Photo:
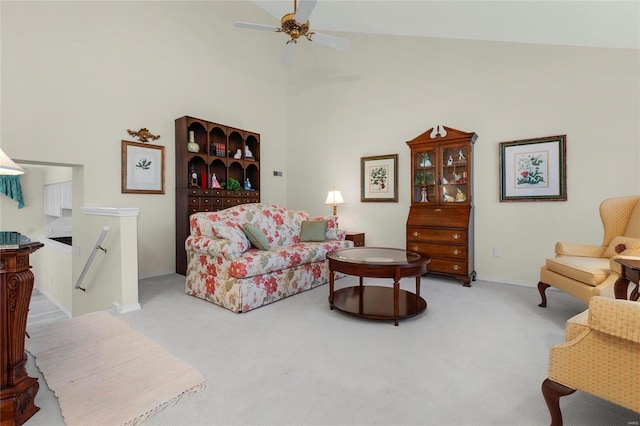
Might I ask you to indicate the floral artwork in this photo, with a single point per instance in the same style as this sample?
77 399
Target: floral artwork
531 168
378 179
143 164
142 168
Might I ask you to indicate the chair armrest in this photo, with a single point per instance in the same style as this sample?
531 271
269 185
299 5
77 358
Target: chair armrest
615 317
583 250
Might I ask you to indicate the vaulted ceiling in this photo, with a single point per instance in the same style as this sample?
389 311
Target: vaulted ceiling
611 24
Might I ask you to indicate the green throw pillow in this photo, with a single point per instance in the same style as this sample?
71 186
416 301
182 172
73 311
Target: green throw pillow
255 235
313 230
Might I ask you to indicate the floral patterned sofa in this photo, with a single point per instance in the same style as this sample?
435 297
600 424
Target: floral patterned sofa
224 268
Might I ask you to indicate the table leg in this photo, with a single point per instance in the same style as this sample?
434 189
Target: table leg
396 300
621 286
418 285
331 282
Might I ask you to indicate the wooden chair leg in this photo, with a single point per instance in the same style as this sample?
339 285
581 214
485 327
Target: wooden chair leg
552 391
541 288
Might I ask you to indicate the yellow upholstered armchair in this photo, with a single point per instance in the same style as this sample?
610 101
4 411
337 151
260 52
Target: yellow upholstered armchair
584 271
600 356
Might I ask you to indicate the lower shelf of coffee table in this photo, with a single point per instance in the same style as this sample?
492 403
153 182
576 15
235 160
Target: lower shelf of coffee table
376 302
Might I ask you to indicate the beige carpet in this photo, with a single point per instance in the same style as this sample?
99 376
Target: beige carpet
106 373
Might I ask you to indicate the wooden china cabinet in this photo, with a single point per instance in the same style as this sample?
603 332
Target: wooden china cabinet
210 159
440 222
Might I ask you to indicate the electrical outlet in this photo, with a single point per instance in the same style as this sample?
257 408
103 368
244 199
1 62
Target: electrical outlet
497 252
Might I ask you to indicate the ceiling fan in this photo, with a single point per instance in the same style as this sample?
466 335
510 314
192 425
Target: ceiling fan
296 25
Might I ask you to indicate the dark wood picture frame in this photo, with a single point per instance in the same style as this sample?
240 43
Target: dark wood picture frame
379 178
533 169
142 168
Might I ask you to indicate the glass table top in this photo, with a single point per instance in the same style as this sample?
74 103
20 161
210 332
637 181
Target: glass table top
374 255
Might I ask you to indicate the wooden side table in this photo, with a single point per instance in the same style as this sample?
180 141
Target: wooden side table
17 390
630 273
356 237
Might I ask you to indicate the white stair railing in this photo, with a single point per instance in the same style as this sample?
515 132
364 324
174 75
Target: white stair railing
101 238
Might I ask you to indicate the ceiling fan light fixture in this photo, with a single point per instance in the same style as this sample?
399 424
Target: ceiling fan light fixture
293 29
296 28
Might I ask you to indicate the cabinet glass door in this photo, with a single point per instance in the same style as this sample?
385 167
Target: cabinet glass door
424 177
455 174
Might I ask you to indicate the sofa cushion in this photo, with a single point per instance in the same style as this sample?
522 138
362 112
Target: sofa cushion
281 226
255 235
589 270
255 262
623 246
313 230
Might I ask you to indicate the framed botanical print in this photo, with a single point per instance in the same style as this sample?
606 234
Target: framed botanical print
142 168
379 178
533 169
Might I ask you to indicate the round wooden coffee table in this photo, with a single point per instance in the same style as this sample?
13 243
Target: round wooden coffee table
377 302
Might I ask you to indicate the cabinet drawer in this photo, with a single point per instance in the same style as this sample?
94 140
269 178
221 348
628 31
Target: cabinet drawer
431 235
439 216
217 192
194 202
439 250
199 192
217 202
250 194
232 201
445 266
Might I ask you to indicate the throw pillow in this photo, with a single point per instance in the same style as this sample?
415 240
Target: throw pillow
332 226
313 230
257 238
623 246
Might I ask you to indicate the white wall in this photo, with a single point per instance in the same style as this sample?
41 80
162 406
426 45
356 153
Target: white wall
386 90
76 75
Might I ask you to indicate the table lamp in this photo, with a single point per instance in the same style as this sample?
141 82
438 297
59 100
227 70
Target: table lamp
333 199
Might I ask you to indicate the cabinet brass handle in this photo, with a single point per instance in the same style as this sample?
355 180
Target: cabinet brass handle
456 251
416 248
416 233
456 268
438 210
456 236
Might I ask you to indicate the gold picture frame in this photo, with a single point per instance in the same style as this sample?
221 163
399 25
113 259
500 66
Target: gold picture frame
534 169
142 168
379 178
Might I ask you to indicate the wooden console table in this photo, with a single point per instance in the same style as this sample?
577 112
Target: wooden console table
17 390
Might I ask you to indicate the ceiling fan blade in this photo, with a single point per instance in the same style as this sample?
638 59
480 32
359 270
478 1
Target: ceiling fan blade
304 9
331 41
287 53
255 26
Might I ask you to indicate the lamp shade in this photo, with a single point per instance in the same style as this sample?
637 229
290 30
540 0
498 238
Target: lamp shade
334 198
7 166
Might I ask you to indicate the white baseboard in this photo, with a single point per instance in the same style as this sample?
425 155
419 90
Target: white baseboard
505 281
54 301
125 309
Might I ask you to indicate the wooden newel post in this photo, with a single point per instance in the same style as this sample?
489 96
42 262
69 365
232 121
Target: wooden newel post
17 390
